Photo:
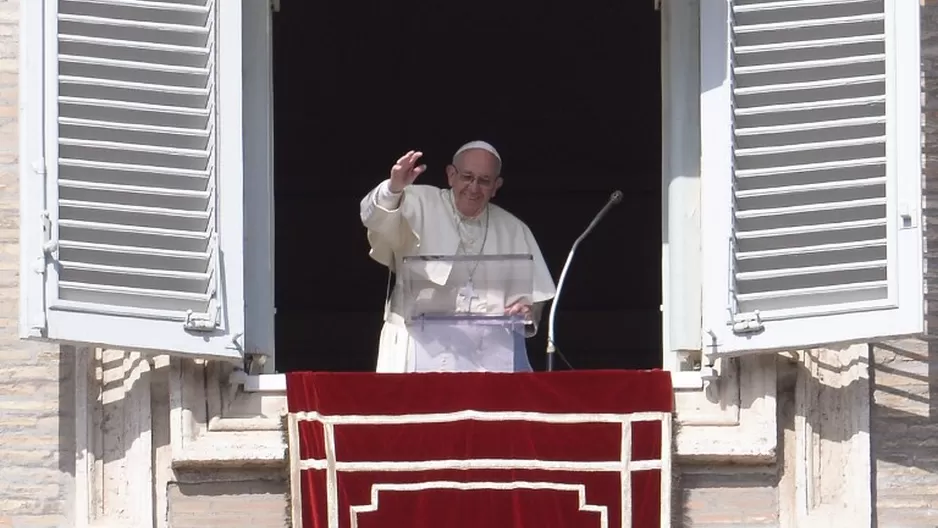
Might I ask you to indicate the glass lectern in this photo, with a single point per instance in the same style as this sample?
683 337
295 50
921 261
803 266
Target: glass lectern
455 311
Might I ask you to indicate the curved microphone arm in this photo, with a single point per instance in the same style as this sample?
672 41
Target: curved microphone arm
551 344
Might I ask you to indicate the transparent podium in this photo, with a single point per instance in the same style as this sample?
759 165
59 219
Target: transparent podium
455 311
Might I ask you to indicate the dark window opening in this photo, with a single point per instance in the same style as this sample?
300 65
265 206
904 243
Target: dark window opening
569 94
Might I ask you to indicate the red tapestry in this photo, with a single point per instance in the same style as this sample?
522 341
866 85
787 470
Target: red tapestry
544 450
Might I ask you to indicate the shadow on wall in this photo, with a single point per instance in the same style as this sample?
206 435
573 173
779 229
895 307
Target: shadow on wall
904 423
904 412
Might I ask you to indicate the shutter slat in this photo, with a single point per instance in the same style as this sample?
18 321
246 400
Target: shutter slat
109 83
120 311
807 44
136 209
813 105
129 23
130 147
799 147
810 167
787 4
811 187
145 4
799 209
134 127
128 167
142 292
144 251
122 270
808 23
114 187
808 229
132 44
809 270
805 250
124 105
820 290
810 85
811 64
140 230
811 125
135 65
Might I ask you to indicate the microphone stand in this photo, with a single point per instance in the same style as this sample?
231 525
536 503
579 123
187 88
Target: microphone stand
614 199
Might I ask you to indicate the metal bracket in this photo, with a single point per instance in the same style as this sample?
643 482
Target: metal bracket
747 323
206 322
254 363
906 216
48 245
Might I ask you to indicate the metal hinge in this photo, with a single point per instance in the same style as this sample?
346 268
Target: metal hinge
206 322
48 245
275 6
747 323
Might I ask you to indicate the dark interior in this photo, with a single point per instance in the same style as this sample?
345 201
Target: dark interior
570 95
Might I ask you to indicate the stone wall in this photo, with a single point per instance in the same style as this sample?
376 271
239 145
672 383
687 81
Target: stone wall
258 502
36 438
904 410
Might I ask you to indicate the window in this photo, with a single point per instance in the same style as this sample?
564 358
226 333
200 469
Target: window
140 226
132 170
811 178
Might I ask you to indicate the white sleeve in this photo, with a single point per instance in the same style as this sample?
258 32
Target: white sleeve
387 199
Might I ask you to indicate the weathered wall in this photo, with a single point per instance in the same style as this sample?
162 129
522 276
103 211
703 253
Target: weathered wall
904 413
721 496
904 426
259 501
36 447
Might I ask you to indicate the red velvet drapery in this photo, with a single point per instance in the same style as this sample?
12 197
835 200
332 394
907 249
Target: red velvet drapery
544 450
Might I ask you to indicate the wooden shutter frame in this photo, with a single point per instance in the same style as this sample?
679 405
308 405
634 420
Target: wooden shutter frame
38 23
905 269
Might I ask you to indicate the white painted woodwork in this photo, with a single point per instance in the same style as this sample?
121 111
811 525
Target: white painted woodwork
137 192
811 171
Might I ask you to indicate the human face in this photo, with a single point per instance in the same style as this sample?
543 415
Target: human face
474 180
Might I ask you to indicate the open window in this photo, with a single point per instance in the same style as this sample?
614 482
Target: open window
132 208
570 95
811 177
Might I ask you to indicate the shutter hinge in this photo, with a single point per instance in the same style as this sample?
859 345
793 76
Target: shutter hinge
210 320
39 166
48 245
747 323
275 6
206 322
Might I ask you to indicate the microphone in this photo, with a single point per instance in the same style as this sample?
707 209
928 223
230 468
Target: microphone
614 199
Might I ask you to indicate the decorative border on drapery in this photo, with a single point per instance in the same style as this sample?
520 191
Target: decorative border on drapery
624 465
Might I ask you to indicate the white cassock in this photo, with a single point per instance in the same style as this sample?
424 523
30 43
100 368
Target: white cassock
423 220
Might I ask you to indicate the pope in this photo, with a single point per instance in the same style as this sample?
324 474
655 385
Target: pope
404 218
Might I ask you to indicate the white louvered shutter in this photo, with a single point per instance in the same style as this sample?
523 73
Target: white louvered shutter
143 176
811 173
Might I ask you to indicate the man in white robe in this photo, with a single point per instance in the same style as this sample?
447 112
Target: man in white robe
404 219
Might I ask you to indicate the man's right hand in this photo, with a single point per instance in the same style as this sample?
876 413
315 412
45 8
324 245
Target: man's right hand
405 171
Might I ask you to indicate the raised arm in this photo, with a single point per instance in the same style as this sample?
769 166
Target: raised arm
383 211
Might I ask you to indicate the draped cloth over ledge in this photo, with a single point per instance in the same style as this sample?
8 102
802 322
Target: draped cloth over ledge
545 449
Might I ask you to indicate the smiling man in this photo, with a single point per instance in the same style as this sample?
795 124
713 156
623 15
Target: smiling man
403 218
